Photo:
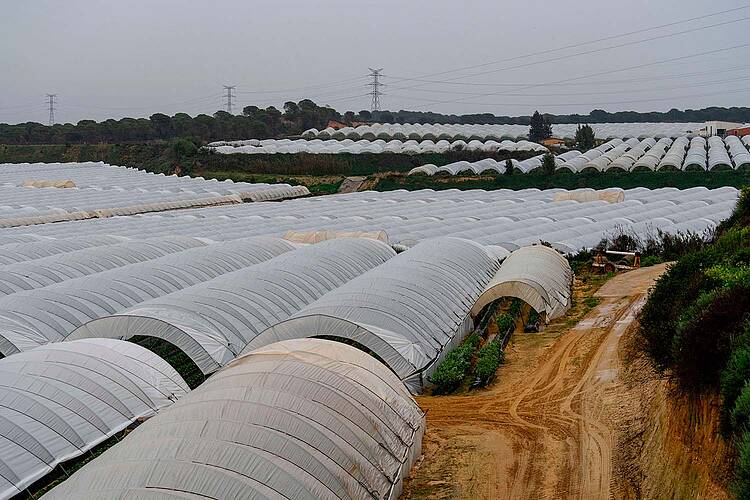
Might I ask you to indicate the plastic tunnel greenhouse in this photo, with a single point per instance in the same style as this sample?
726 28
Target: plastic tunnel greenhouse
213 321
538 275
60 400
35 317
305 419
409 311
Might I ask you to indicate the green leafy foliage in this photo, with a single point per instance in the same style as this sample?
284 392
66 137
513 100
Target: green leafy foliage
505 322
651 260
696 323
740 215
455 366
734 377
740 416
704 335
489 358
681 294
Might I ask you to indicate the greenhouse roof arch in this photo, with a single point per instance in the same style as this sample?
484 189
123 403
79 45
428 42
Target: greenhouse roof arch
59 400
213 321
303 419
536 274
409 311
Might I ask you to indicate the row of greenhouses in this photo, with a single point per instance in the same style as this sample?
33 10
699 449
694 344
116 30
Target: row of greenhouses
271 349
37 193
616 155
466 132
332 146
569 220
327 420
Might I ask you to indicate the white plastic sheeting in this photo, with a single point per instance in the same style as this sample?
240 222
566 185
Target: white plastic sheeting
213 321
332 146
60 400
35 317
53 269
630 155
302 419
408 311
536 274
419 131
25 251
105 190
499 217
309 237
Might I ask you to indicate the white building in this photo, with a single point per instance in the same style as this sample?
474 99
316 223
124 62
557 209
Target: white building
718 128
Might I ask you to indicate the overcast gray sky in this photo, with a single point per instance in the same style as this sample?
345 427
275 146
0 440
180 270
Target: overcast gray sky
109 59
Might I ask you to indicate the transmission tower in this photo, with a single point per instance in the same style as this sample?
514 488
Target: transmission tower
229 96
51 103
375 85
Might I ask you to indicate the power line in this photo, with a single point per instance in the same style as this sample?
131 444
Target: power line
633 101
51 103
600 73
308 87
590 92
229 96
578 44
375 84
629 68
599 82
594 51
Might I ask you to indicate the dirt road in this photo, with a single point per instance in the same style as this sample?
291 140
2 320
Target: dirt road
544 430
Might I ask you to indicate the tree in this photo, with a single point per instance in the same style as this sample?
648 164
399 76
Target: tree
584 138
539 127
508 167
548 164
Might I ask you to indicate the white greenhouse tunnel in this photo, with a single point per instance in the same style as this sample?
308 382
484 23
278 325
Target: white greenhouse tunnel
466 132
30 318
631 155
100 190
60 400
303 419
377 146
213 322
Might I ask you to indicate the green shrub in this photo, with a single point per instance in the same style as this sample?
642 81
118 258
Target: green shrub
741 213
741 485
651 260
734 377
489 358
504 322
740 417
704 338
591 302
455 366
673 292
515 307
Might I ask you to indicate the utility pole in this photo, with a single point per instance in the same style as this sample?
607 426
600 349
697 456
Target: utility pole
230 95
375 84
51 103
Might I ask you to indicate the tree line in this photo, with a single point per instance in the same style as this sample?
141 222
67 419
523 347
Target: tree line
296 117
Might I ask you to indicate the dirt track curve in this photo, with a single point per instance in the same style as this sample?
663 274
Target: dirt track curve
544 429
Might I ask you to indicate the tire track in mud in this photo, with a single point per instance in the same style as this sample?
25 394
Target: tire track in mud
540 432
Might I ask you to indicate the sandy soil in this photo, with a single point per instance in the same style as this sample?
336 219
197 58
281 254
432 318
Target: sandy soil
544 429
